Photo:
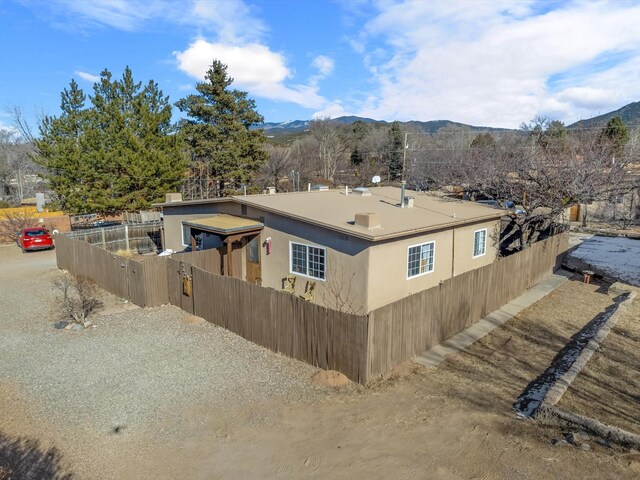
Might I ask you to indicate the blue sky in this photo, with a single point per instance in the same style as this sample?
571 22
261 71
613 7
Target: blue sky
492 63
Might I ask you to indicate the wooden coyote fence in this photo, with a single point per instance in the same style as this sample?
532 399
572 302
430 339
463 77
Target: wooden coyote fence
360 346
414 324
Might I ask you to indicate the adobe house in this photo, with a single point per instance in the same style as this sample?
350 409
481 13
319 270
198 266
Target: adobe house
354 250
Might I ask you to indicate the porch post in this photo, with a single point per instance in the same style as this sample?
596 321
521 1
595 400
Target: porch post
229 242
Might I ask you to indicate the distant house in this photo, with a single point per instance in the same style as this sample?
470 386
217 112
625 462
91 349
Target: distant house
356 249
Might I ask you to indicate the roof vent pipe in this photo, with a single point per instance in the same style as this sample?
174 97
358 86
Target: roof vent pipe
402 205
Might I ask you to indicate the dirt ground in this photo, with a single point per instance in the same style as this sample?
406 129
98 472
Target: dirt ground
608 388
451 422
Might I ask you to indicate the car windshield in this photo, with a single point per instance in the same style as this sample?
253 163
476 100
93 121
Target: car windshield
35 233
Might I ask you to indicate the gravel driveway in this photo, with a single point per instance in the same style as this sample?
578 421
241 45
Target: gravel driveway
136 366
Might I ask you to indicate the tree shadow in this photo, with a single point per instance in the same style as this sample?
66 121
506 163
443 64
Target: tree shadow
534 393
25 459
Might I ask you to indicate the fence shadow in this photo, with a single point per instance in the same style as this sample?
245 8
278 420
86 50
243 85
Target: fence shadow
24 458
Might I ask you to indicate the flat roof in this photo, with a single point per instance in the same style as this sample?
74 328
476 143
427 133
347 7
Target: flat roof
336 210
225 224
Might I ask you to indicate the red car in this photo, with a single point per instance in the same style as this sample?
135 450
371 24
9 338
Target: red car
35 238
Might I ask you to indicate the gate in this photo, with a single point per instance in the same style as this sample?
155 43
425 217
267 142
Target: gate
180 284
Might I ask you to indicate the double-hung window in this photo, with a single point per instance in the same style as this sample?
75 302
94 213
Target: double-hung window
479 242
420 259
308 260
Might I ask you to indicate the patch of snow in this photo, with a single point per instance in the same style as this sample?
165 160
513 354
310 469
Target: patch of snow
618 257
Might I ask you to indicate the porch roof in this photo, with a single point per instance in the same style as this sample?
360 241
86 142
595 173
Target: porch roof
223 224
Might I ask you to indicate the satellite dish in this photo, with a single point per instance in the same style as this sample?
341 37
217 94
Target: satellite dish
376 179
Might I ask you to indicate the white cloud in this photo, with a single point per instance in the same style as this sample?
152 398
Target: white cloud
493 64
333 110
254 67
232 20
229 19
324 65
121 14
87 76
249 64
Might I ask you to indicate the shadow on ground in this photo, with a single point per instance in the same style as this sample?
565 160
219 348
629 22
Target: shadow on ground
25 459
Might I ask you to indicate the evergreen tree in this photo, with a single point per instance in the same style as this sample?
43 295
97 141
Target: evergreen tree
394 151
60 148
358 133
614 136
119 154
217 129
483 141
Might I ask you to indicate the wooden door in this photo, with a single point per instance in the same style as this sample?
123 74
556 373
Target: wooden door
254 269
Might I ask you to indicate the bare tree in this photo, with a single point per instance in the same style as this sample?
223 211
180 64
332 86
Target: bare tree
329 145
19 175
277 166
13 221
544 172
79 297
304 160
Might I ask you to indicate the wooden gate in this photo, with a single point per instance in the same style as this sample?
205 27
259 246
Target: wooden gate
180 284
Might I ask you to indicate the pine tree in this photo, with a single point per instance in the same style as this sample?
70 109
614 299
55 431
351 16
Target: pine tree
120 153
394 151
60 147
614 137
217 129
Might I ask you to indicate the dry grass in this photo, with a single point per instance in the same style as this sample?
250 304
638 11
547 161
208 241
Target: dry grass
608 388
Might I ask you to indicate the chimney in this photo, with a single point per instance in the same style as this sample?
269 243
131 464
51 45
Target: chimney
367 220
271 190
173 197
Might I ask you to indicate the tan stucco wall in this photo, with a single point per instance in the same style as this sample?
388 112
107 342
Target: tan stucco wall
346 260
463 256
367 275
388 280
174 216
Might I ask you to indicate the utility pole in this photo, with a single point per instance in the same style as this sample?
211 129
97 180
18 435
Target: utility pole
404 168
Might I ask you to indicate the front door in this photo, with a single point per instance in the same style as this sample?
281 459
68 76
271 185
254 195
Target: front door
254 271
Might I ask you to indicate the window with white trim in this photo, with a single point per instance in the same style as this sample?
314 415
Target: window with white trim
186 235
420 259
479 242
307 260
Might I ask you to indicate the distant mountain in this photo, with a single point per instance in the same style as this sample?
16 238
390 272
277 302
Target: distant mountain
630 115
291 126
294 128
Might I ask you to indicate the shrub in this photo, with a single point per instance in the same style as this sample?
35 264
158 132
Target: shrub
79 298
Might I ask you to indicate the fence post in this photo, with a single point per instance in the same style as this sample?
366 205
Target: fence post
126 237
104 241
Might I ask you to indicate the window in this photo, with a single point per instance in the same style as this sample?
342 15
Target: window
420 259
307 260
186 235
253 250
479 242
